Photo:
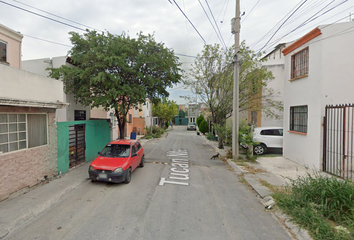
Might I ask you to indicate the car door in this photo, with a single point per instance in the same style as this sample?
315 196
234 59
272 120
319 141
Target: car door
134 157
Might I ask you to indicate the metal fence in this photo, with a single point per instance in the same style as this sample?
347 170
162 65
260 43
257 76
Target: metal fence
338 141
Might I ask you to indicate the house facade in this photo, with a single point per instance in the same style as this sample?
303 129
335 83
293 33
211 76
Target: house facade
318 72
275 62
75 111
193 112
28 133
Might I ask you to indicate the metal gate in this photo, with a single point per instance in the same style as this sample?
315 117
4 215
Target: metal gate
338 141
77 144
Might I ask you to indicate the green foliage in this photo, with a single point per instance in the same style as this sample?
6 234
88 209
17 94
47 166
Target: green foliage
155 132
165 110
209 136
245 135
203 126
212 81
323 205
117 71
199 120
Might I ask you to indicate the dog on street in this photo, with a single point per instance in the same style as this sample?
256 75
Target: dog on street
216 156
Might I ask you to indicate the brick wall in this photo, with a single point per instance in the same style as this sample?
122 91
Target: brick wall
27 167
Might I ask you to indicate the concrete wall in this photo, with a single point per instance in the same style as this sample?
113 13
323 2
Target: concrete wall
28 167
97 136
24 85
13 41
39 66
276 65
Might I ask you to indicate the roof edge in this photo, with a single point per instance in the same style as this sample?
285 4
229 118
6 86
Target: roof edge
301 41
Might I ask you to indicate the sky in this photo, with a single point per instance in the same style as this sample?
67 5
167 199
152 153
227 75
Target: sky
182 25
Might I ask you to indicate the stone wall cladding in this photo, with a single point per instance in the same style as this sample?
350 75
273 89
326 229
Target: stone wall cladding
28 167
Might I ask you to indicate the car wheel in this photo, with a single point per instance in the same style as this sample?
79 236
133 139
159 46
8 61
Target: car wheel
259 149
142 163
128 176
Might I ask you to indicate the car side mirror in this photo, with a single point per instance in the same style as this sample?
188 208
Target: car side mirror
99 153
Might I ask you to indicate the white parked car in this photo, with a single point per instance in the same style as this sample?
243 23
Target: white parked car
192 126
267 138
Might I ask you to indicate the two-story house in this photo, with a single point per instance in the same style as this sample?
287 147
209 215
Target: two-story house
319 77
75 111
28 133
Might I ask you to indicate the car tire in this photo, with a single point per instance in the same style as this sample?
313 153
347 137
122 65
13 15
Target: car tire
142 163
128 176
260 149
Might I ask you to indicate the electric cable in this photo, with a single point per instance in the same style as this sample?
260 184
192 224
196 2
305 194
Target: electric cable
37 14
281 26
56 15
250 11
312 18
188 20
216 23
211 23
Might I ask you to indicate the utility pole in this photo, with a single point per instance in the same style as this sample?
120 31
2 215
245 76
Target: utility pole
235 29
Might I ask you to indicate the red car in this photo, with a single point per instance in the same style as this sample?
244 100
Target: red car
117 161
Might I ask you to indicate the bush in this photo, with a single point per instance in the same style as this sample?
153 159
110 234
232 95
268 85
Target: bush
209 136
156 132
324 205
199 120
203 126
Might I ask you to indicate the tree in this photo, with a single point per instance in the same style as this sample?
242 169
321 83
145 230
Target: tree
203 128
212 82
165 110
118 72
199 120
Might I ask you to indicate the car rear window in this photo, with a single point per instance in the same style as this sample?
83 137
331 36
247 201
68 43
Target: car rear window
116 150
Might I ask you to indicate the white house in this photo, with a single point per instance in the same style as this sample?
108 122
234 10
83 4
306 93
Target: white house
74 112
276 64
319 70
193 112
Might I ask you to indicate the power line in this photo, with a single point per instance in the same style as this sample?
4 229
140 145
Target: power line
312 18
250 11
56 15
188 20
275 25
41 39
211 24
42 16
215 23
282 25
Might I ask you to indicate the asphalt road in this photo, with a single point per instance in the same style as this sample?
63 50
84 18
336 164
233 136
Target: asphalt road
180 194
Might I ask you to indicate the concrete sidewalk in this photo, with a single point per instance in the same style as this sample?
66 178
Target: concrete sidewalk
22 207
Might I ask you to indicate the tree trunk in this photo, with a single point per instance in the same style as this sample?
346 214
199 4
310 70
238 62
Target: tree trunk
121 126
220 142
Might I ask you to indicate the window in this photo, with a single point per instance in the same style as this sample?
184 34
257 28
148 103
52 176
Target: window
298 119
272 132
130 118
80 115
20 131
3 52
300 64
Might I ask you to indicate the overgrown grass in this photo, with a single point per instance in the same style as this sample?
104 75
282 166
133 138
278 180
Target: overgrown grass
156 132
322 205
